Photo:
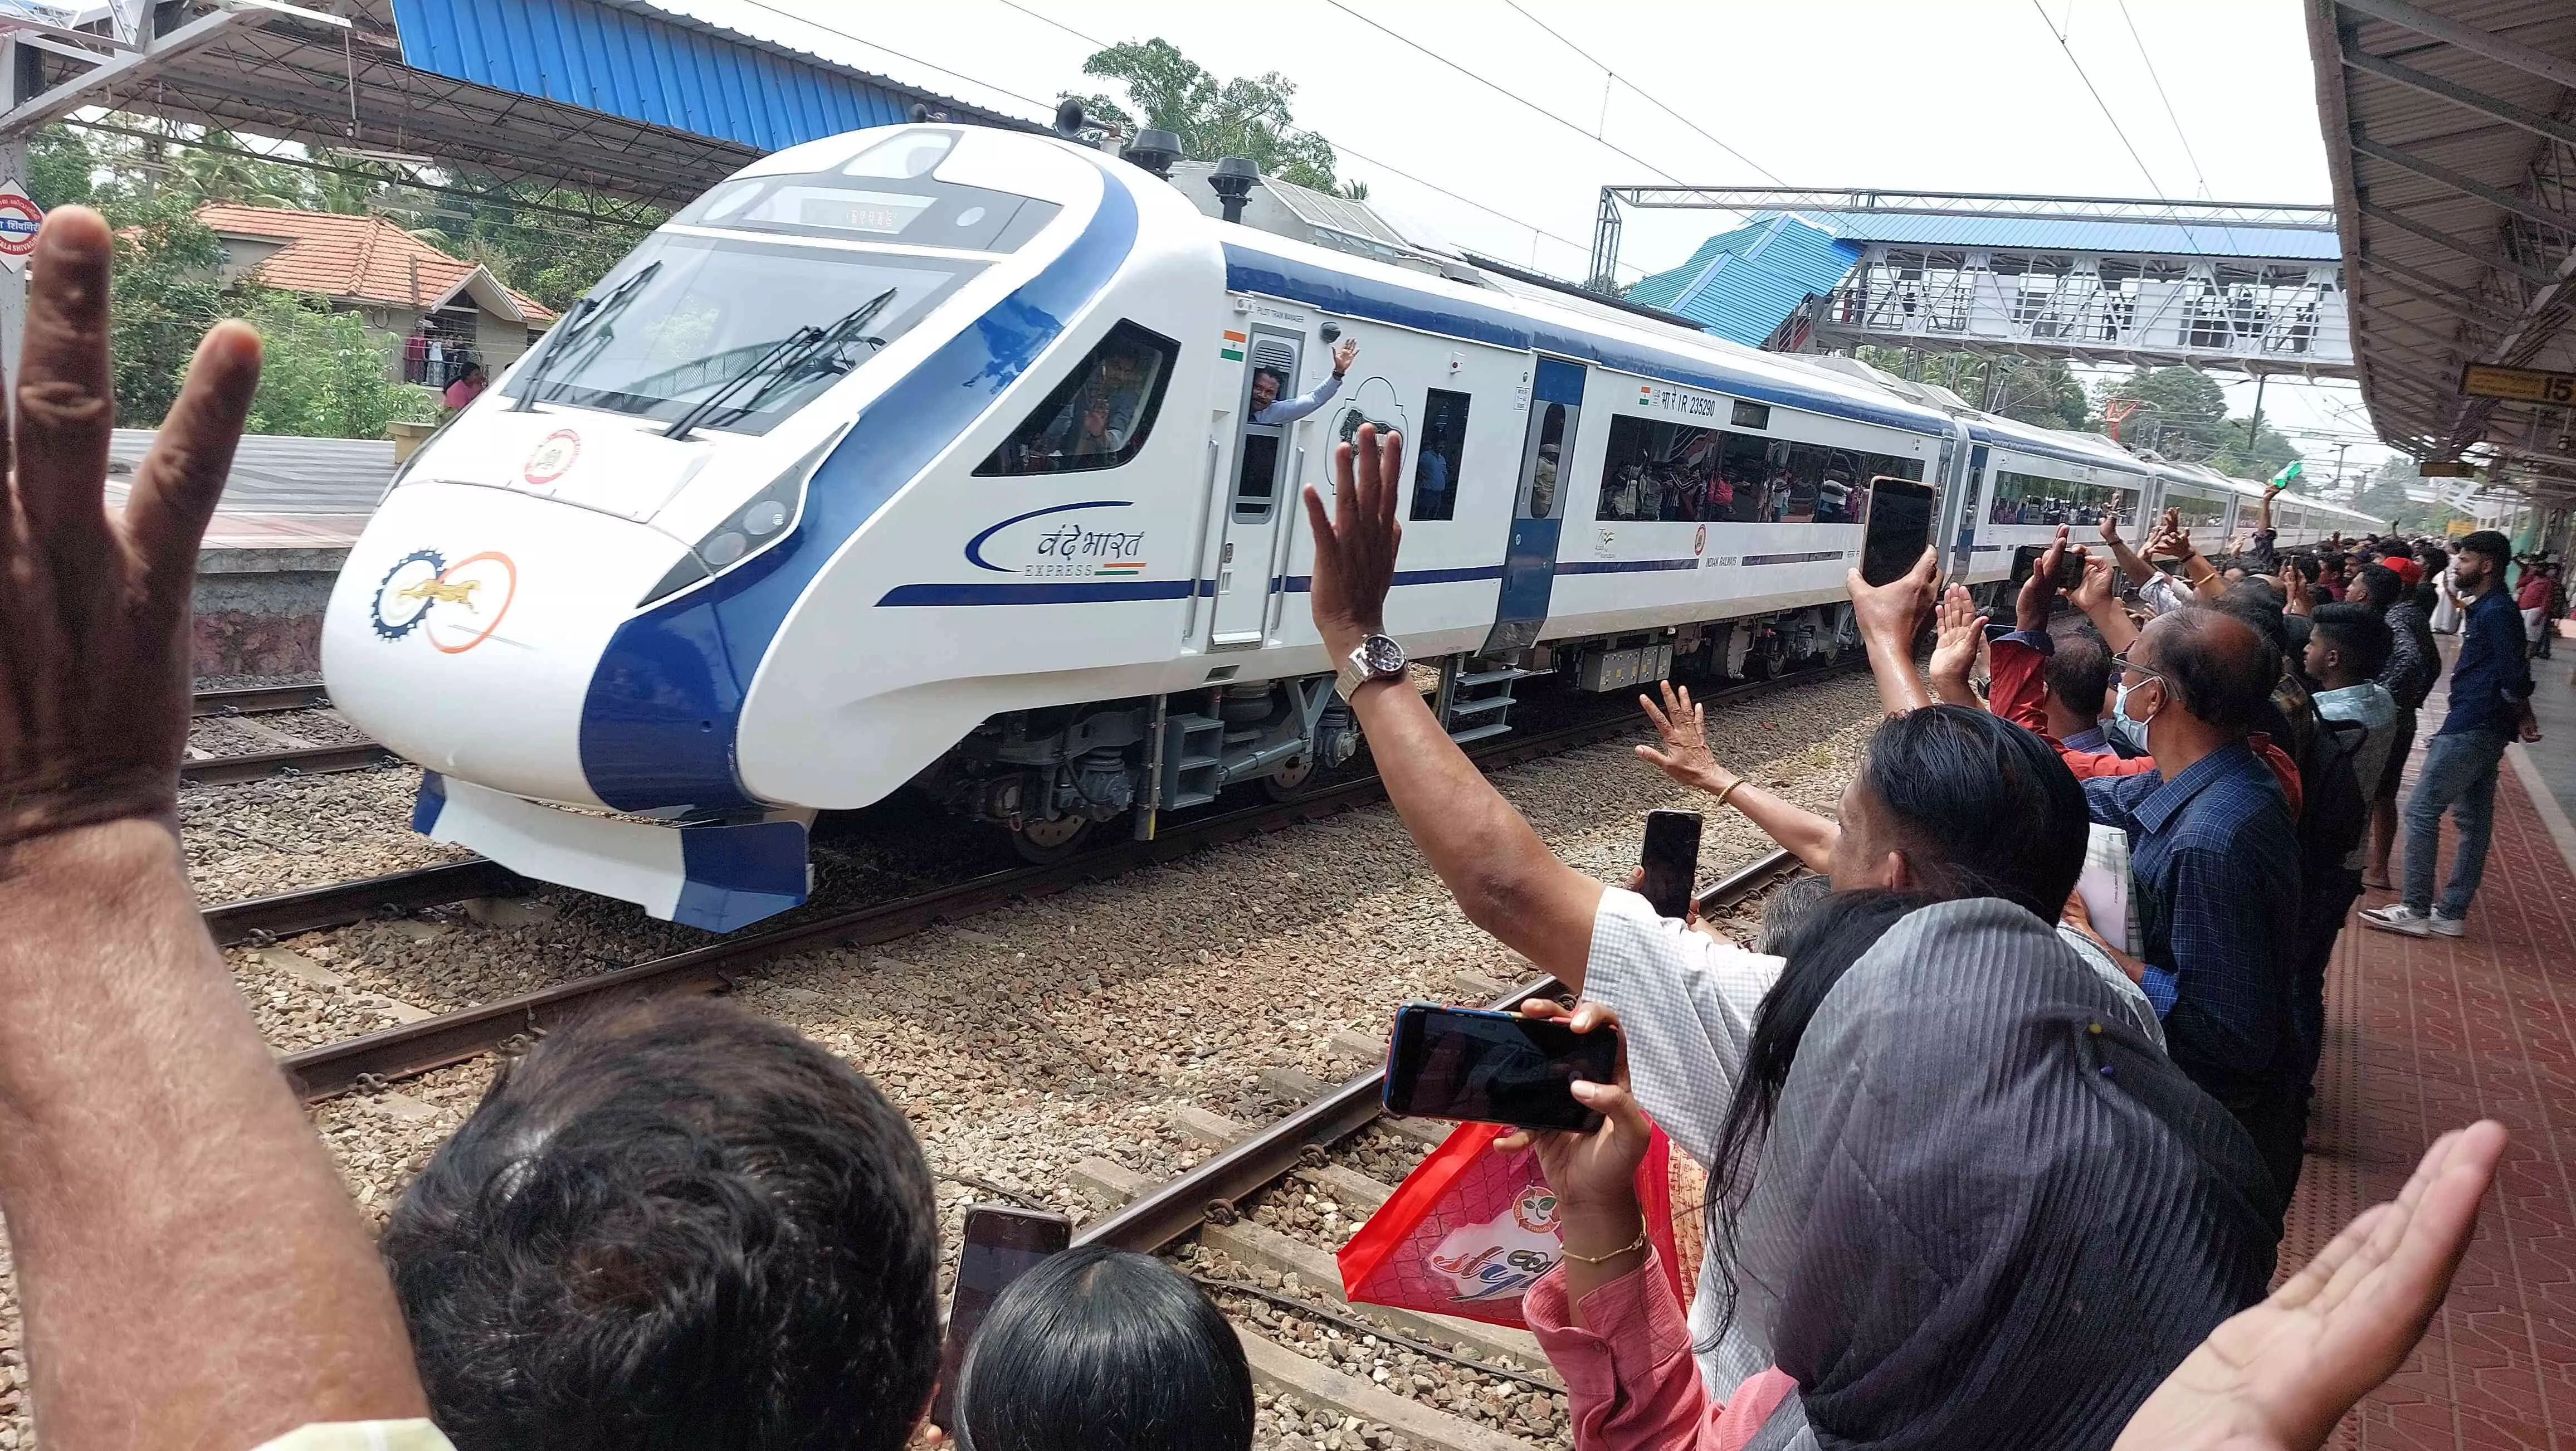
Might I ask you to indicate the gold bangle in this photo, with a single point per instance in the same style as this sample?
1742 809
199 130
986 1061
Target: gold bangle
1631 1247
1729 791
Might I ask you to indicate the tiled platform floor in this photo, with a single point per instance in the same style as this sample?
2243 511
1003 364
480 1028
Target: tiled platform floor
2424 1036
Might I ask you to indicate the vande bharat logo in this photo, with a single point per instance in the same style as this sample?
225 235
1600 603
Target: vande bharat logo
1063 541
454 606
554 457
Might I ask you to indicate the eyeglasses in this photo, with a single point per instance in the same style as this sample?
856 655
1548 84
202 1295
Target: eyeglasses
2122 660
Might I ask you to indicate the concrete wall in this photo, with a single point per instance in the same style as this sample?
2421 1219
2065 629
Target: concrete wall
259 611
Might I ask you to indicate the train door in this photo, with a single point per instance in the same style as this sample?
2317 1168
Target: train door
1972 508
1529 556
1255 497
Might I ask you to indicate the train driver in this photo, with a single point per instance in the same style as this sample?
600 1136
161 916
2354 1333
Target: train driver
1266 383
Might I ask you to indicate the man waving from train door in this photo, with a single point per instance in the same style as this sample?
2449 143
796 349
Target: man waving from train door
1266 383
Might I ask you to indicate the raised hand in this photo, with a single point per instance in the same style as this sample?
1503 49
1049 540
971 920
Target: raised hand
1594 1172
2094 594
1355 546
1343 352
95 611
2279 1376
1684 755
2038 595
2110 527
1957 631
1894 611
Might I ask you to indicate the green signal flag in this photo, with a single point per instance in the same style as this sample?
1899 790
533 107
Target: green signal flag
2289 473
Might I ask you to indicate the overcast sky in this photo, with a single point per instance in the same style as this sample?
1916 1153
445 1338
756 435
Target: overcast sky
1969 95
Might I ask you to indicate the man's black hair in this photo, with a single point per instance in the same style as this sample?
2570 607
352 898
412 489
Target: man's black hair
1949 775
2379 587
2357 631
1099 1348
673 1227
2256 603
2079 673
2395 549
2497 549
2221 666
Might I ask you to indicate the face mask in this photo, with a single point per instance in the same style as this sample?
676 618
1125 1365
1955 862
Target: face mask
2133 733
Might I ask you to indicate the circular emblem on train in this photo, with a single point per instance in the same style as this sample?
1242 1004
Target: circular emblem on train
554 456
454 606
1699 541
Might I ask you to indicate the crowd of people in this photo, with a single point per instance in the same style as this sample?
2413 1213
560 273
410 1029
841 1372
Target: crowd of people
2020 1188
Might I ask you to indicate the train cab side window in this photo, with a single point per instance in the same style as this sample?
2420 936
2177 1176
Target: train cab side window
1097 418
1435 465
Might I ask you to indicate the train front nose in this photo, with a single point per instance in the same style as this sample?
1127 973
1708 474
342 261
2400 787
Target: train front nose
468 623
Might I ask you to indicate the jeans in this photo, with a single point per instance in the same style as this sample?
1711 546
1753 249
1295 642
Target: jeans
2459 776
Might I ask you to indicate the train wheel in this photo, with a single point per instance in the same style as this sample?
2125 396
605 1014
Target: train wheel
1044 843
1290 782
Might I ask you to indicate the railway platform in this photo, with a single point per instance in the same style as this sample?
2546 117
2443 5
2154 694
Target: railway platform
2426 1035
290 511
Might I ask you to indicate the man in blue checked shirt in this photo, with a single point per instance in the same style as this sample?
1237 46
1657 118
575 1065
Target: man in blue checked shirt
2214 864
2490 708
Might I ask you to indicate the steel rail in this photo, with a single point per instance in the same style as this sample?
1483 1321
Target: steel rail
259 700
415 1048
1164 1214
305 761
256 919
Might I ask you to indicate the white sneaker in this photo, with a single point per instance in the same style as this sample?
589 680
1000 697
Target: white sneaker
2404 920
2447 926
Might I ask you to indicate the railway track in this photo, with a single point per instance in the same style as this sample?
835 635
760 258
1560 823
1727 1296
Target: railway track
1284 1292
415 1048
293 757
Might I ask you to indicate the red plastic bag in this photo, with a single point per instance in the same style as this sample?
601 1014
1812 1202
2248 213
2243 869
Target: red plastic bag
1470 1230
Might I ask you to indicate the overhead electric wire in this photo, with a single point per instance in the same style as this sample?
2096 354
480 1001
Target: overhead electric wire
1355 154
2194 157
1573 126
2116 129
1647 96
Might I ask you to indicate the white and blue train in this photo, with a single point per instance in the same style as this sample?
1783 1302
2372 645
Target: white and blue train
927 456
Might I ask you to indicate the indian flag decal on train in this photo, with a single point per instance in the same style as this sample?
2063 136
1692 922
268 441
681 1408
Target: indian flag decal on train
1232 348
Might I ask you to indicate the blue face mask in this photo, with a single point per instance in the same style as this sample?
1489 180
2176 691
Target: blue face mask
2133 733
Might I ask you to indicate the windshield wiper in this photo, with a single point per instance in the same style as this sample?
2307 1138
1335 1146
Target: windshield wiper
594 318
784 364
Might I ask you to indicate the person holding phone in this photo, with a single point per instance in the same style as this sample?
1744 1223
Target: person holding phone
1919 817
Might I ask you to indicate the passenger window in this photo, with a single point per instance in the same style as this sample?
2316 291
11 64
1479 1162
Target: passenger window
1099 417
1444 442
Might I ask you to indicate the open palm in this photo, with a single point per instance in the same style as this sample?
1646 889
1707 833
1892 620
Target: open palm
2279 1376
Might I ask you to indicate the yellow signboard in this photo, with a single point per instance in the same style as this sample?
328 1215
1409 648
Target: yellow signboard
2460 528
2522 385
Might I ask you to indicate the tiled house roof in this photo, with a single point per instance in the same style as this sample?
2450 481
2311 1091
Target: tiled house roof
364 259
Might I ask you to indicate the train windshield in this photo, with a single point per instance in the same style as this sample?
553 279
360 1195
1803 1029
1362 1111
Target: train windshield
732 333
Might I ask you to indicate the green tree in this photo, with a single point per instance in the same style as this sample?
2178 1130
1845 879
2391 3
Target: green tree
62 167
166 294
2180 412
2385 495
1248 116
326 375
2265 457
2042 391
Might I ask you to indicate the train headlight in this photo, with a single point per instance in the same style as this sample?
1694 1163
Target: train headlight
768 518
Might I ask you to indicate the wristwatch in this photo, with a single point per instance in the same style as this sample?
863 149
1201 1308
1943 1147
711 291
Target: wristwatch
1377 658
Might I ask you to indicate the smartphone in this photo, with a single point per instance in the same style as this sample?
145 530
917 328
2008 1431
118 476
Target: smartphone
1003 1242
1671 860
1465 1063
2070 565
1899 528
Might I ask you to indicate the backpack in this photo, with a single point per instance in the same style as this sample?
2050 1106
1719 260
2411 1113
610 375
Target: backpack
2334 814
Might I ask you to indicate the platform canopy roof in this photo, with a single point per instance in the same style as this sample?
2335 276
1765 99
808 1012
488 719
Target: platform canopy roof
617 97
2450 129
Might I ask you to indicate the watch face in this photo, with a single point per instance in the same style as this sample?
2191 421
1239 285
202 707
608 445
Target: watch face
1381 655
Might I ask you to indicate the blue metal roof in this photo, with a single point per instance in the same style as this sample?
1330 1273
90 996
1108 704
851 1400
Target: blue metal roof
1741 284
2298 244
645 64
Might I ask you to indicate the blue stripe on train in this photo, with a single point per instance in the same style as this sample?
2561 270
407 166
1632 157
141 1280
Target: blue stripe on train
658 726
